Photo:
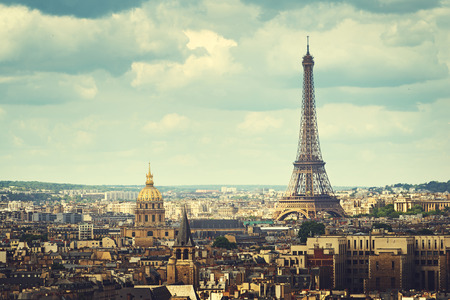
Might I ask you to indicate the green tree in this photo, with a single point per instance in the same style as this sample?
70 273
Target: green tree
223 242
57 266
310 228
382 226
416 209
425 231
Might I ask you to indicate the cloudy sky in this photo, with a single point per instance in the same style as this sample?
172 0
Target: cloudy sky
210 91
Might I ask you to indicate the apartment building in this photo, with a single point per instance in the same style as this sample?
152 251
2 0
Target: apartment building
375 262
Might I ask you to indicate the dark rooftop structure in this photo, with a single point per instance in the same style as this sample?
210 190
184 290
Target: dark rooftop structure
184 237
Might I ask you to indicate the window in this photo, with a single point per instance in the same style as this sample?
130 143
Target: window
392 265
153 218
360 244
166 233
377 266
133 234
146 205
149 233
160 218
348 244
159 205
146 218
354 244
435 244
185 254
153 205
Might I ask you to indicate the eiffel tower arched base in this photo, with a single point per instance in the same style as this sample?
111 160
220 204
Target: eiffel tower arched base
308 207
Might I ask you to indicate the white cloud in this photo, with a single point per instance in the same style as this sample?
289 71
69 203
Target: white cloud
215 62
169 122
259 122
83 138
17 141
86 87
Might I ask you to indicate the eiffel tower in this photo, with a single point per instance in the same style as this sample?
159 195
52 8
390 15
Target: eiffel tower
309 193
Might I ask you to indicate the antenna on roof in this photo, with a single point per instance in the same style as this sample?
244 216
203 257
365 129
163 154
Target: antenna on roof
307 44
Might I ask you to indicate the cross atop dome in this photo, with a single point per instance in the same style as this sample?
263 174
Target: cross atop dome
149 177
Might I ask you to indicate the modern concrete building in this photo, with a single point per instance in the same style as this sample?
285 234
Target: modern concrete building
375 262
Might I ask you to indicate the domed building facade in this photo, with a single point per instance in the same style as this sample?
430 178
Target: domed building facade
149 221
149 206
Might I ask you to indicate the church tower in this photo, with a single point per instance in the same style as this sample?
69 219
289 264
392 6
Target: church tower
182 267
150 210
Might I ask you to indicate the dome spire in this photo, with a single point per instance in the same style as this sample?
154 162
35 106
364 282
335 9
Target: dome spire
149 177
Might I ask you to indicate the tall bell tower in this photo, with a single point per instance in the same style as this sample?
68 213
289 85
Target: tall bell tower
182 267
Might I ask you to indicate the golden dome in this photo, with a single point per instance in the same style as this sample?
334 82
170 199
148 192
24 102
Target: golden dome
149 192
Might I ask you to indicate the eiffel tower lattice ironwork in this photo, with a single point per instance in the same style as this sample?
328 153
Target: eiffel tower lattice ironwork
309 192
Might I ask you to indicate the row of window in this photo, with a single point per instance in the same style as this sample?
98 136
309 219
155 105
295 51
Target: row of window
146 218
429 243
423 243
146 205
355 243
355 262
428 262
360 253
150 233
358 271
429 253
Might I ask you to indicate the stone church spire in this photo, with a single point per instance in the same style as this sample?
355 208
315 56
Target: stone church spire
184 237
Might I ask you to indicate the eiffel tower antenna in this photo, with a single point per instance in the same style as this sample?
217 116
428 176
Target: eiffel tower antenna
309 192
307 45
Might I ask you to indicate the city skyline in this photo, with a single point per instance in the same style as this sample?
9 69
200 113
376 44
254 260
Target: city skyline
210 93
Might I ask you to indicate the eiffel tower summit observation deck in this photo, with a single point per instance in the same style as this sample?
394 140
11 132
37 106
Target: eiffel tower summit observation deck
309 193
